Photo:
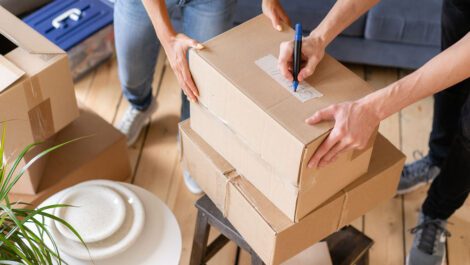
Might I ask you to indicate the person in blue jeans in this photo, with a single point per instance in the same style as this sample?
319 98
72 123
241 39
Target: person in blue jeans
142 26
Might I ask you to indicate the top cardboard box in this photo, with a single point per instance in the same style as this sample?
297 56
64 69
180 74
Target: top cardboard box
36 90
257 108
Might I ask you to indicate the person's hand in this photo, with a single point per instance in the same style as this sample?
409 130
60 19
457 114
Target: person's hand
355 123
274 11
176 50
313 51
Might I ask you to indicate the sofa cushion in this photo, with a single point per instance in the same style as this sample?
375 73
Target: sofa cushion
405 21
309 13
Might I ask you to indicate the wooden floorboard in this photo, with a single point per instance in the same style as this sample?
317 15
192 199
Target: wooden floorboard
156 160
384 224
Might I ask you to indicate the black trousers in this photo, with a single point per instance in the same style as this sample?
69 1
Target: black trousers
449 142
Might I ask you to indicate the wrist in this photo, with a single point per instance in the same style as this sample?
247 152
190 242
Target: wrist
373 107
317 39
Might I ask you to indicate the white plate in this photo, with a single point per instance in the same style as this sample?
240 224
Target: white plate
160 243
96 212
114 244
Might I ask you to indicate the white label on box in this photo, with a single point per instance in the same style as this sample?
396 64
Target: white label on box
304 92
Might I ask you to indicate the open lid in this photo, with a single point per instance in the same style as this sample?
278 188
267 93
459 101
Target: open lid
24 36
9 73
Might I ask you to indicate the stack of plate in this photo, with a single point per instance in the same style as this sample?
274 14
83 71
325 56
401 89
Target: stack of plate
111 218
108 216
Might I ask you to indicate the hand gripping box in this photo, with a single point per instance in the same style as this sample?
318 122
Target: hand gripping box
37 97
267 230
240 86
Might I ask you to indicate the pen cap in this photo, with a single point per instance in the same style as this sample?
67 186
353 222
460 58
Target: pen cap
298 31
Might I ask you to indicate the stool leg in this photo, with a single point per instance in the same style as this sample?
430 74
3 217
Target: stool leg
364 260
255 259
201 236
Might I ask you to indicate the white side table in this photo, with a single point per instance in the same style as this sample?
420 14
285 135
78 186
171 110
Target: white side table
159 242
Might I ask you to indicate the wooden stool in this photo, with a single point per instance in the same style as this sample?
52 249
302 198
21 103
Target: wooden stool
347 246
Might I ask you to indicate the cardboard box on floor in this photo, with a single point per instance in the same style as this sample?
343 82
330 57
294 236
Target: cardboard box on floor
37 98
267 230
293 201
264 114
103 155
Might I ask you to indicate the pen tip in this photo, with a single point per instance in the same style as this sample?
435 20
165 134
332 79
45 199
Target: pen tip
295 85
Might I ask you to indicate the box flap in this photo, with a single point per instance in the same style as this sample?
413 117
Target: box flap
24 36
9 73
236 61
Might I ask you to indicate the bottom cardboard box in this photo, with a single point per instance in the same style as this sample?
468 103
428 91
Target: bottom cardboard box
102 155
29 182
266 229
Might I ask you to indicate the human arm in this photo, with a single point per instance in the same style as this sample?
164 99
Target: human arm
341 15
355 121
175 44
274 11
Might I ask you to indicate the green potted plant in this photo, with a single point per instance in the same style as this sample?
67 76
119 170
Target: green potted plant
23 234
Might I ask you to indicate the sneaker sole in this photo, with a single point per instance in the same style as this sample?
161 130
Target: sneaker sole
444 259
411 189
131 142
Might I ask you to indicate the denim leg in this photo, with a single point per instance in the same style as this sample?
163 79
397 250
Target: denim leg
202 20
448 103
136 49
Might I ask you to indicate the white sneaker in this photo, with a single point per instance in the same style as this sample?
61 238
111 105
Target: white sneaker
191 184
134 121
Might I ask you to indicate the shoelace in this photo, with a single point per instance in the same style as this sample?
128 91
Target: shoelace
429 228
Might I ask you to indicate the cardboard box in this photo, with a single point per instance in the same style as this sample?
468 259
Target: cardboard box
267 230
294 202
259 107
37 97
103 155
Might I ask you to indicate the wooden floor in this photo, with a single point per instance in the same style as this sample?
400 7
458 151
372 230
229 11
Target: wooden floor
155 159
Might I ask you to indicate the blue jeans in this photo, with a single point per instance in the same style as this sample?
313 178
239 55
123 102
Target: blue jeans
137 45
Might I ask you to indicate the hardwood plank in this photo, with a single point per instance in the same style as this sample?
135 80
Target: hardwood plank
82 86
458 245
159 154
384 223
104 94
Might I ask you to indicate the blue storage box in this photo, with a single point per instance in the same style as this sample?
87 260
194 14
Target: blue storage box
83 28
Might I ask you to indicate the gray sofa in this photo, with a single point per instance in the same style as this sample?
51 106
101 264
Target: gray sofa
397 33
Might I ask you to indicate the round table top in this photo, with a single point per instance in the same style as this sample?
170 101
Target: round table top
159 242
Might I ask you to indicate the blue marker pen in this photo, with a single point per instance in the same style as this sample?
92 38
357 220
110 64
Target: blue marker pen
297 54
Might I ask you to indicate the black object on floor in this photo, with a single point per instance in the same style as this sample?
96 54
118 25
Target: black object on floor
347 246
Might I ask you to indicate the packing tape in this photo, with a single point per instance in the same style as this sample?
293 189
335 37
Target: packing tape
39 110
343 210
231 177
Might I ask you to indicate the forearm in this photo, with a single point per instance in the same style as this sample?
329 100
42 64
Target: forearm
446 69
341 15
158 14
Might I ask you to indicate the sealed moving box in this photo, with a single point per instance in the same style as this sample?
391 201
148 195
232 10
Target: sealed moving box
267 230
103 155
241 86
37 98
294 202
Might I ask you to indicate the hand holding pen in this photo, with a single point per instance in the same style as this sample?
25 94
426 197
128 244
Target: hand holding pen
310 51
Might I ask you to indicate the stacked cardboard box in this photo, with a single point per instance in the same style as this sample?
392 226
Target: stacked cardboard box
248 144
38 104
